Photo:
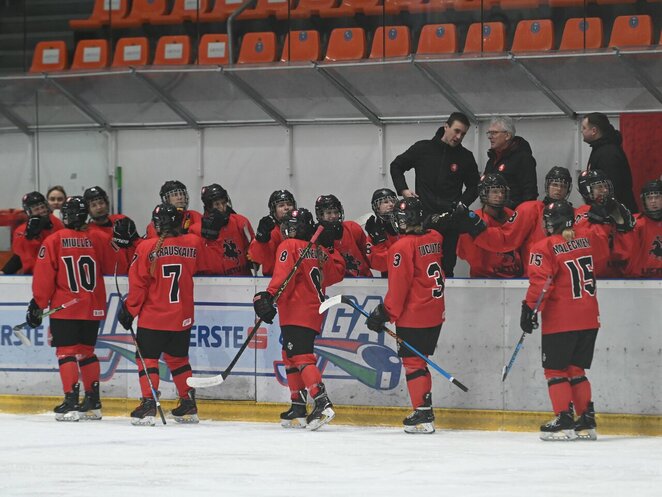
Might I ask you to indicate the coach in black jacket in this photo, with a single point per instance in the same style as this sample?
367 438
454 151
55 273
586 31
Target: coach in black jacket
443 168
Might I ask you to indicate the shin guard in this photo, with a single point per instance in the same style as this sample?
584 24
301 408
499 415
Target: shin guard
88 363
180 368
560 392
68 365
581 389
153 371
294 381
310 374
419 380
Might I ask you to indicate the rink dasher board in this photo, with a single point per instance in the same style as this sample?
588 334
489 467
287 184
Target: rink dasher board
359 366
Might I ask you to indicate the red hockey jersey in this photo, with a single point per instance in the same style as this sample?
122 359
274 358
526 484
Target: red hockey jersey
265 253
299 303
353 247
108 227
161 282
27 249
415 296
570 304
190 218
71 265
607 265
377 255
644 246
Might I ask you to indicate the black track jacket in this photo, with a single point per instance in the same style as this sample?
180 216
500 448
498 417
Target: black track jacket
518 166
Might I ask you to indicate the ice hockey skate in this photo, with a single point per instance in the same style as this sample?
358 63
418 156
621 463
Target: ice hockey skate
186 410
144 414
90 409
295 416
585 424
322 412
560 429
68 410
422 419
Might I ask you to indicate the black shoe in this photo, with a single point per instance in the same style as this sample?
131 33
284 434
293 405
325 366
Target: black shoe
90 409
322 411
295 416
68 410
422 419
187 409
144 414
585 424
561 428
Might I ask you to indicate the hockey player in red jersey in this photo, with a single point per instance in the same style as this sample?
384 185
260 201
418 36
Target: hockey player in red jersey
71 264
415 303
29 236
570 317
493 192
262 249
226 231
380 229
161 294
300 321
174 192
347 236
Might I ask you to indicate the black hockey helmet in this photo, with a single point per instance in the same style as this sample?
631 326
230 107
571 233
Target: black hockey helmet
31 200
557 216
650 189
170 187
74 212
167 219
558 174
379 197
277 197
94 193
325 202
213 192
298 223
590 179
407 214
490 182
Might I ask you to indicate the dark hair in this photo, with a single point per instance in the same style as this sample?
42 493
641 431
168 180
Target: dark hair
458 116
56 188
600 121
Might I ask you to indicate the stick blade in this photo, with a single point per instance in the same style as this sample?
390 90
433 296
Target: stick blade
23 338
459 385
204 382
330 302
504 373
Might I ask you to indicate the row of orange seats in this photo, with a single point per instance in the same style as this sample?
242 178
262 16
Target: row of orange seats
118 14
347 44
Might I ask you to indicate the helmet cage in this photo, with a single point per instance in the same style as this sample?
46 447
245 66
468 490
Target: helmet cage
558 175
381 196
649 190
493 182
171 187
328 202
31 200
588 180
280 196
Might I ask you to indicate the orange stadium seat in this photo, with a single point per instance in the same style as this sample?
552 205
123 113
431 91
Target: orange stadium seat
492 35
437 39
142 11
309 8
182 10
131 52
349 8
533 36
91 54
394 42
221 10
257 47
346 44
213 49
173 50
631 31
49 56
104 13
580 33
305 46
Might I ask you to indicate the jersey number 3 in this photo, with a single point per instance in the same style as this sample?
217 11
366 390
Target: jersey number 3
434 272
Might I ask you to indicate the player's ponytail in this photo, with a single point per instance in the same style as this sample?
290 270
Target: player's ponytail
568 234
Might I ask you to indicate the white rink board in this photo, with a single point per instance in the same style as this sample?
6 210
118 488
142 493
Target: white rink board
361 367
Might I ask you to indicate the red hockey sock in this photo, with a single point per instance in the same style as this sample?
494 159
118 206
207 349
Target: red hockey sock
89 366
581 389
419 380
294 380
560 392
180 368
310 374
66 358
153 370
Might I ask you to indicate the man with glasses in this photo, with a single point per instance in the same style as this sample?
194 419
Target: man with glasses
511 156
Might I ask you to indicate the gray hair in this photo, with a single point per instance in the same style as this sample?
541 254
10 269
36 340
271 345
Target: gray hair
506 122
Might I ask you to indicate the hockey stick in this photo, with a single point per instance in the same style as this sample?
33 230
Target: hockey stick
211 381
249 238
346 300
140 355
23 338
508 367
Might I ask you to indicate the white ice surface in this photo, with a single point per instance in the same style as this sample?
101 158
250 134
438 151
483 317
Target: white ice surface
40 457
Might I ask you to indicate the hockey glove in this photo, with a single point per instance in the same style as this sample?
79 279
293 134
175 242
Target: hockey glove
376 230
124 317
264 228
212 224
528 321
438 222
622 217
35 225
326 237
466 221
263 303
598 214
124 232
378 317
33 316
